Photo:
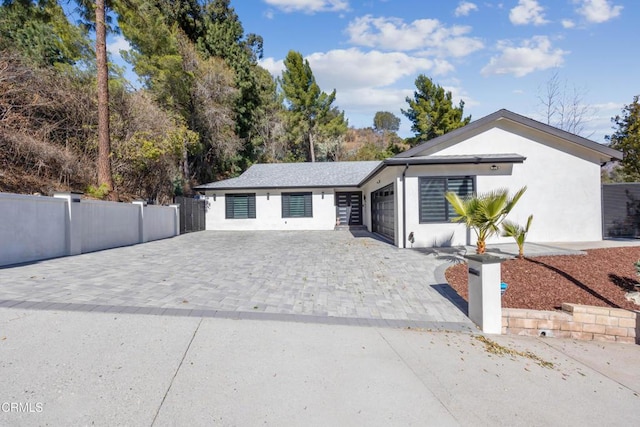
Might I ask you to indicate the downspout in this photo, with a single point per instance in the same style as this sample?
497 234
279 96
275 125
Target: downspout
404 206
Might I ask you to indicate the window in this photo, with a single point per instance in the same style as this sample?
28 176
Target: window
433 206
240 205
297 205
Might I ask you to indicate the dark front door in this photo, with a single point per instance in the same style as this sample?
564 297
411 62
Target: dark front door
349 208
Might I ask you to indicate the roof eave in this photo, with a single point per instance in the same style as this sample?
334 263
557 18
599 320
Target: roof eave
453 161
274 187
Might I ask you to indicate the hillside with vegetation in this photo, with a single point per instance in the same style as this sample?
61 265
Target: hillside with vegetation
206 110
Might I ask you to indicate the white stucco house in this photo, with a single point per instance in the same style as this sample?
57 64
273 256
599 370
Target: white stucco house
404 194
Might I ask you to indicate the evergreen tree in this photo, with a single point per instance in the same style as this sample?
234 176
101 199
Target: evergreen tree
40 31
626 138
432 112
311 118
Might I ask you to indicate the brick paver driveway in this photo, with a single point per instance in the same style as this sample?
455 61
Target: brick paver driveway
332 277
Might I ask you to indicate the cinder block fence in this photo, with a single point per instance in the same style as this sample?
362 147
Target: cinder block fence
575 321
34 228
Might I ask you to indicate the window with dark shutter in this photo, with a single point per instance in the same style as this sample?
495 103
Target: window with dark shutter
297 205
433 205
240 205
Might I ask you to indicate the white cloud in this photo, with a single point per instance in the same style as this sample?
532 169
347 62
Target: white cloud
598 11
309 6
527 12
353 69
274 67
532 55
464 8
428 35
568 23
116 45
368 99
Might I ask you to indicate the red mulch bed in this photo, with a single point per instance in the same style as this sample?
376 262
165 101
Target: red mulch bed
600 278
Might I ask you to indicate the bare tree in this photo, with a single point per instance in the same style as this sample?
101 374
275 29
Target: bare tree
564 107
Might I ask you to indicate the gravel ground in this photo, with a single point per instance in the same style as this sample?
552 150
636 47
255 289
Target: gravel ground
600 278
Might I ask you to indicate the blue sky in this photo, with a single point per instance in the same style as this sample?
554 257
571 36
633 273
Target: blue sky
491 54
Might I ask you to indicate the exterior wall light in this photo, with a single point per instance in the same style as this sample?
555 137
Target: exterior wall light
494 167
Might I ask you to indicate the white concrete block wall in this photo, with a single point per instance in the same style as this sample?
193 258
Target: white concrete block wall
108 225
31 228
34 228
159 222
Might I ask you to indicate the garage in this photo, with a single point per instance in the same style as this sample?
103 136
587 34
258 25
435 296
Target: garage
382 212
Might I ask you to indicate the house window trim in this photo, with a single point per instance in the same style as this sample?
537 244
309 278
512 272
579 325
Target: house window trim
230 196
446 212
286 195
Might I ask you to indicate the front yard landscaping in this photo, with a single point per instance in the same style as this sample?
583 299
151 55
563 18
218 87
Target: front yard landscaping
600 278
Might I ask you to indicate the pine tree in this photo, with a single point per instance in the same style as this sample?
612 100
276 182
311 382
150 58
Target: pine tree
627 139
311 118
432 112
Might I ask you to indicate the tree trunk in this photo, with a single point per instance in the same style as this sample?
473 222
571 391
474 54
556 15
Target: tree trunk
104 142
481 246
312 151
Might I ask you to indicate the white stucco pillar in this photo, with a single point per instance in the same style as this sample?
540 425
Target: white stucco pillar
485 304
142 232
177 219
73 223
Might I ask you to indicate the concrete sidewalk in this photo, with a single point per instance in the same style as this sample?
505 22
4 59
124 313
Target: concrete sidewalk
79 368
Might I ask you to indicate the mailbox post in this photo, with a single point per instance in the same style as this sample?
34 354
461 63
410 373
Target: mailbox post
485 305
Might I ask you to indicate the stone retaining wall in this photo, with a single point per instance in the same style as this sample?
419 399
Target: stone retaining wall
575 321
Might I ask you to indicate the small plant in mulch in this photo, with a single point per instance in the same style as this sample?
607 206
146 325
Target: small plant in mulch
500 350
518 232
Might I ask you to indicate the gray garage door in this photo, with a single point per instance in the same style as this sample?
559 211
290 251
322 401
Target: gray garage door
382 216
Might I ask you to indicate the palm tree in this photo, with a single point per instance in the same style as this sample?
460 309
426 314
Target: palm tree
483 213
511 229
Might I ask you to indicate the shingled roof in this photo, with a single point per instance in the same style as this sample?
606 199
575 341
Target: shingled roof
297 175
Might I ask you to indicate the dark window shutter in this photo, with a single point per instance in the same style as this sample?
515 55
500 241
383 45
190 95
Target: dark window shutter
285 205
308 205
240 206
297 205
251 208
229 206
432 202
463 187
433 205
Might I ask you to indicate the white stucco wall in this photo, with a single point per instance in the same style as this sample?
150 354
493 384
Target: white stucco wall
160 222
35 228
269 211
108 225
563 183
31 228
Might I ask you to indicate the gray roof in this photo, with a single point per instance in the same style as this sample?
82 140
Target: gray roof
607 152
297 175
